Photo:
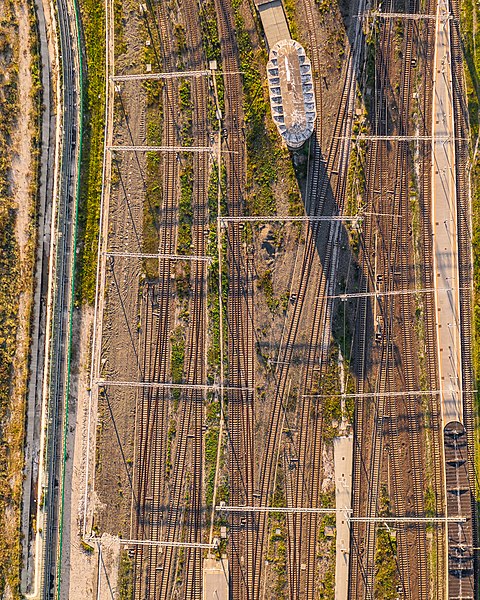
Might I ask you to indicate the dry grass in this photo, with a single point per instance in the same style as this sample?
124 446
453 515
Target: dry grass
16 290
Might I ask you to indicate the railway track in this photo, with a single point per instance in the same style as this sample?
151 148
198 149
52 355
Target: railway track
170 485
195 361
327 194
303 530
156 572
398 259
465 264
243 583
153 569
428 279
63 273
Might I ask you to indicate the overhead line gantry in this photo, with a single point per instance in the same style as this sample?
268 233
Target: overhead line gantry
346 511
161 149
172 75
171 385
191 257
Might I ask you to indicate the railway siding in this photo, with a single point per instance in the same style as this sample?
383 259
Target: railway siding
279 418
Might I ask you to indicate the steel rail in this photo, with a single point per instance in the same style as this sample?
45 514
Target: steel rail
60 349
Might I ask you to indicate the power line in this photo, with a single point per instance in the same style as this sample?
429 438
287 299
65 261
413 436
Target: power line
172 75
160 148
161 543
346 511
393 293
377 394
274 218
169 385
403 138
159 256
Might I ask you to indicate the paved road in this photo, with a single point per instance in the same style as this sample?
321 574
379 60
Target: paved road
445 227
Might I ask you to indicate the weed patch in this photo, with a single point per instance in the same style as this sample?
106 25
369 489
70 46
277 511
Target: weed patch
93 22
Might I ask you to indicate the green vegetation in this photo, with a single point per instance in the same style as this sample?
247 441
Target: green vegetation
370 65
184 240
419 299
210 37
93 22
185 210
211 447
10 286
326 550
265 283
151 208
385 572
213 411
470 16
186 108
213 292
324 6
331 405
290 13
154 191
343 331
86 547
268 160
125 577
177 358
277 546
356 178
120 44
211 47
263 149
172 432
386 576
329 386
327 585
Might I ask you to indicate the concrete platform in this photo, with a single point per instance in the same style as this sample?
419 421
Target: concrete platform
445 244
274 21
343 459
215 579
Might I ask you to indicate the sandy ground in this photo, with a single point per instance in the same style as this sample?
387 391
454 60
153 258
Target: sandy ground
21 159
74 556
81 567
21 175
87 573
21 180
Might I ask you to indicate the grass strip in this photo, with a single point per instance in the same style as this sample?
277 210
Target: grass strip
470 16
263 150
92 15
